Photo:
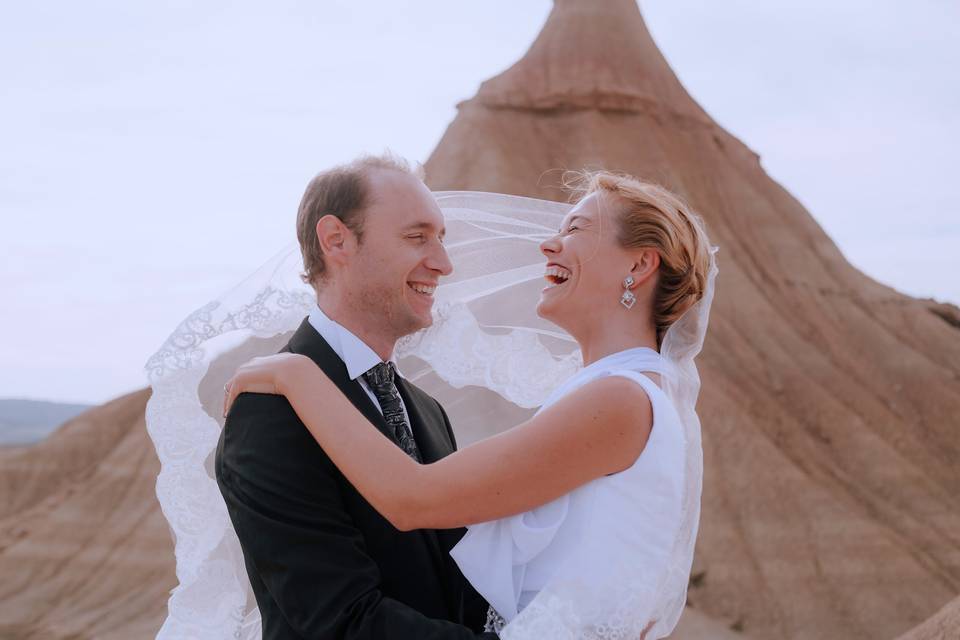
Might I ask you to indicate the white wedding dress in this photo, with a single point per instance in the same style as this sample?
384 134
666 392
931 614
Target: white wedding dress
616 529
600 563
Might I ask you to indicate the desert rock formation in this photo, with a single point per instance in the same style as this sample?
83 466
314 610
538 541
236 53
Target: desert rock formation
829 404
84 549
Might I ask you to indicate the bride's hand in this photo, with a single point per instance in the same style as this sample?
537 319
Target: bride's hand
268 374
646 629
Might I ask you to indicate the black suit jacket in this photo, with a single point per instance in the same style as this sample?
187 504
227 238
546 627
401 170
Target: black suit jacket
323 563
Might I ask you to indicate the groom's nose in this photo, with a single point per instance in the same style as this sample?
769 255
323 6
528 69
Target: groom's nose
438 260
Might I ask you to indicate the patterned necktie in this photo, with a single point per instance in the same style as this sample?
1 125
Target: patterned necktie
380 379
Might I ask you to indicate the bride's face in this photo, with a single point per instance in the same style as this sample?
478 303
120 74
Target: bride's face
585 266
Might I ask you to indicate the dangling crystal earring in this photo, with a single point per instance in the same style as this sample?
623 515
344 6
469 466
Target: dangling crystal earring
628 299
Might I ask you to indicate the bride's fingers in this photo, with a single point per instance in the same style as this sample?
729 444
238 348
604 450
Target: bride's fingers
235 386
227 400
643 634
246 381
240 383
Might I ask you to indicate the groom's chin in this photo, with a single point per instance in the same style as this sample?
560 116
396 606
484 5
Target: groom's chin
420 321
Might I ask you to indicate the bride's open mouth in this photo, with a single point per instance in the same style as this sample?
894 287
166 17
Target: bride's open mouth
555 276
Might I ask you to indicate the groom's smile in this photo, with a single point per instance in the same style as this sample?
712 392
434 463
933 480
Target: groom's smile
399 262
423 293
426 289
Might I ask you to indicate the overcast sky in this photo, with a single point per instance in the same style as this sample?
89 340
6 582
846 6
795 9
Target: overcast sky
152 154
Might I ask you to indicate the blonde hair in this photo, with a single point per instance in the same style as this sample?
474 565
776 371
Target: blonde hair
653 217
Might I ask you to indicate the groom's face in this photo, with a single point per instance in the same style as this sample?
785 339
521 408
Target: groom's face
398 264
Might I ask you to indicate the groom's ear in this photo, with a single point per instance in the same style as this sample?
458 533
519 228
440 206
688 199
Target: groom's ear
336 240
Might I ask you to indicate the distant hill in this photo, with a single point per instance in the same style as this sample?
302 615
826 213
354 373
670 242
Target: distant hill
29 421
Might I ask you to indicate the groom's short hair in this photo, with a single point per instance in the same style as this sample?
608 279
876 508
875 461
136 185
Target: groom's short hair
342 191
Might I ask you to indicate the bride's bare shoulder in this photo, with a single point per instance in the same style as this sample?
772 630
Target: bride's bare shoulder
612 415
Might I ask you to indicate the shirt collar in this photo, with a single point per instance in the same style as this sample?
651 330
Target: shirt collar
355 353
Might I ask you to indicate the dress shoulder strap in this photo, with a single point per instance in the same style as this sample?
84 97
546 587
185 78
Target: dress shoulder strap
648 385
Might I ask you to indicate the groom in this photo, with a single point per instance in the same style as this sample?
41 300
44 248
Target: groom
322 562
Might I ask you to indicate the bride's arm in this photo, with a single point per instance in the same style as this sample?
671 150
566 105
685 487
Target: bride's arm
599 429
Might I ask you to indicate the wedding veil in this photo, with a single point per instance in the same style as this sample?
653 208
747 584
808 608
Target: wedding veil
488 358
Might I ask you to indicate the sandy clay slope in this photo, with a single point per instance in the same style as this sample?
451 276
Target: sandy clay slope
830 402
84 549
944 625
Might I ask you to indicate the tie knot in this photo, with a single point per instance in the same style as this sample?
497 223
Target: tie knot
380 374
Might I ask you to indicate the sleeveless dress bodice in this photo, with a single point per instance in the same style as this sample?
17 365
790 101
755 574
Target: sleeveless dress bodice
627 521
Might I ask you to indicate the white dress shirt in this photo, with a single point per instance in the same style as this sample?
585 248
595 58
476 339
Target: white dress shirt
355 353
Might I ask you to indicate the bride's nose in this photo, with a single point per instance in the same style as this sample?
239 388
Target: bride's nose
550 246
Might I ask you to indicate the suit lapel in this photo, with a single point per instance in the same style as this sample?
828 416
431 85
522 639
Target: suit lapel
308 342
432 441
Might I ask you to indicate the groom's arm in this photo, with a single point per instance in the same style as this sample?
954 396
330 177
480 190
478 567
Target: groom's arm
284 499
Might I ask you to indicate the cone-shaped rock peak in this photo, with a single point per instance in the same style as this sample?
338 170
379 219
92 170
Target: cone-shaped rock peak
590 54
830 403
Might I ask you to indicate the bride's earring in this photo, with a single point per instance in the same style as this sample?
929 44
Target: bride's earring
628 299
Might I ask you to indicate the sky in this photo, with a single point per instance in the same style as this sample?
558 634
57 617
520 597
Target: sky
152 154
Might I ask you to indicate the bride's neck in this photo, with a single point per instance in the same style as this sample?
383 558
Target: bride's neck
614 334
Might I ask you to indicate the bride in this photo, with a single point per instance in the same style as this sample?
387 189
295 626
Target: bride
582 519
